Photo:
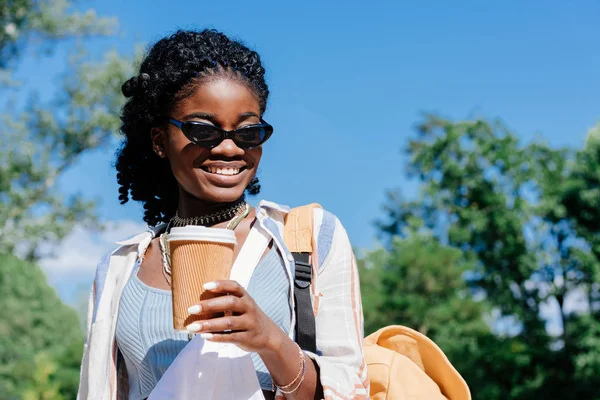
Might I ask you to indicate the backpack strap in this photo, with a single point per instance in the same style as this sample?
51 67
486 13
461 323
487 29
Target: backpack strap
298 233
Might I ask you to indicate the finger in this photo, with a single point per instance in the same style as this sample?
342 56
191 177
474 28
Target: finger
220 325
234 337
219 304
225 286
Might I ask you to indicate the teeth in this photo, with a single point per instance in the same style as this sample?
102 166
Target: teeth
223 171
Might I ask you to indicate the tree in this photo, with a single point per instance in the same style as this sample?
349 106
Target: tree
496 201
24 21
40 338
418 282
575 207
41 141
38 333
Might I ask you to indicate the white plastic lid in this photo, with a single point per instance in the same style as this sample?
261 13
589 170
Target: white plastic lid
193 232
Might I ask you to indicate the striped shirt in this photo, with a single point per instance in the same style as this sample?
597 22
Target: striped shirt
335 296
145 333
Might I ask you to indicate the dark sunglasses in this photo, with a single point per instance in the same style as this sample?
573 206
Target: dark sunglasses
209 136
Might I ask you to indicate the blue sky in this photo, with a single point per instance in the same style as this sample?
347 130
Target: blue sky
350 79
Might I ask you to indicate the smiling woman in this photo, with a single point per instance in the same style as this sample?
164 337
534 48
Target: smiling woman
193 139
200 151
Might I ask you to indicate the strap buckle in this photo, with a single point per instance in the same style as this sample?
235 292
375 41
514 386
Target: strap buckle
303 270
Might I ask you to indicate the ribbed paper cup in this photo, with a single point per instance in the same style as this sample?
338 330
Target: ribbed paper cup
198 255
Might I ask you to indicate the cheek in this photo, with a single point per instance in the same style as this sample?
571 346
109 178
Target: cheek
180 150
255 155
182 156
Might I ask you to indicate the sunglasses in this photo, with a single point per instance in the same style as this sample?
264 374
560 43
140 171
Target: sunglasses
209 136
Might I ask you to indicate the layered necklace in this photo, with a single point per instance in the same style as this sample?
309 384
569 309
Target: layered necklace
233 213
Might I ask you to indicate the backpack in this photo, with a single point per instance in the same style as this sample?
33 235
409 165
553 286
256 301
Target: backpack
402 364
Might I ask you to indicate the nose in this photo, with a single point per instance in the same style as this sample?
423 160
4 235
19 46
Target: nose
227 148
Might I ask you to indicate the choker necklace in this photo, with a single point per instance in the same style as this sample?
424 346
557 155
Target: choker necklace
229 213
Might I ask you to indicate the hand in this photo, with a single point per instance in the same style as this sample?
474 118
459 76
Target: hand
250 328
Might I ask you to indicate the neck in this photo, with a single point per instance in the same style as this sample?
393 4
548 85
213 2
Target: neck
190 206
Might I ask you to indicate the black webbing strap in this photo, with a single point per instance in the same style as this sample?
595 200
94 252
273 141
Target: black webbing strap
305 318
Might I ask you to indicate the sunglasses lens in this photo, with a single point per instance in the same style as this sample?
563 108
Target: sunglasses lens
209 136
252 136
202 135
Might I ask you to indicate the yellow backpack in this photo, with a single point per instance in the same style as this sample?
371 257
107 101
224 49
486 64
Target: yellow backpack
402 363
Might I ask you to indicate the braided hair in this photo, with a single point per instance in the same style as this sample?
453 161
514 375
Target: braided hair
170 72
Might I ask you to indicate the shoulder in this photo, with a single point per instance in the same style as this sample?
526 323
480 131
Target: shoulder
124 247
330 236
278 211
138 242
328 231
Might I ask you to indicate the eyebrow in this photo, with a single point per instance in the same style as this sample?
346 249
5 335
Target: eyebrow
202 115
213 118
244 116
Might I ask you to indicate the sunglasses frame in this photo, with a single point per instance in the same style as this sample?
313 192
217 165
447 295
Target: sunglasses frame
224 134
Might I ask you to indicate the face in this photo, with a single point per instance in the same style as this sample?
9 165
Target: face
220 174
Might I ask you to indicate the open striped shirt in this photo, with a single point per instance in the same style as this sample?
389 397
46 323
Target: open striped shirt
335 297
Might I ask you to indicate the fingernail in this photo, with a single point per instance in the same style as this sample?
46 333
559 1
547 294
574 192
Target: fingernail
206 335
195 309
194 327
210 286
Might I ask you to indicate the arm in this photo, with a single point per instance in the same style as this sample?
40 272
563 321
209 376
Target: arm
283 362
339 323
83 371
254 331
102 266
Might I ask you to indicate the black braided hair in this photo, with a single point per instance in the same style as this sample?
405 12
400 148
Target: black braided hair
169 73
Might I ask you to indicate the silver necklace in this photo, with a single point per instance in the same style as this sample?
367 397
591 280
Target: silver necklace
164 243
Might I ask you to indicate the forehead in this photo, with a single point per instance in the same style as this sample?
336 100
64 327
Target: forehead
221 97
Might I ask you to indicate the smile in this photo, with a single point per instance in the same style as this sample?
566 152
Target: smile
223 171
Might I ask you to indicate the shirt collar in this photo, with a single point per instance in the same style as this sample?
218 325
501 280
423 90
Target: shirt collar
270 206
263 210
140 237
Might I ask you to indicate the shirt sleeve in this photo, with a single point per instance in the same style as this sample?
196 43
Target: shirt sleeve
339 323
82 392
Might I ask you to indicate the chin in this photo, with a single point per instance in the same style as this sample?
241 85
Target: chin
221 195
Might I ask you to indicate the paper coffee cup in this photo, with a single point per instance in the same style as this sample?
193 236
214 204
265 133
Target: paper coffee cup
198 255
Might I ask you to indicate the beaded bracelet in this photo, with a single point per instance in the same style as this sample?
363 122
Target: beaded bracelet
300 376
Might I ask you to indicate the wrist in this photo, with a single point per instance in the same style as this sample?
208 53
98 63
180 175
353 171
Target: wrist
275 343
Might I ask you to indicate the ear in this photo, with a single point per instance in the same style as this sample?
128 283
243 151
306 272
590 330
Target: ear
159 139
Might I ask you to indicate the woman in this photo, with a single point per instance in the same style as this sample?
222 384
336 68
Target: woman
193 134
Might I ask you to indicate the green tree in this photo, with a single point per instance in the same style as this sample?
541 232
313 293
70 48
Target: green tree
40 338
42 140
25 21
492 198
574 205
43 387
419 282
34 321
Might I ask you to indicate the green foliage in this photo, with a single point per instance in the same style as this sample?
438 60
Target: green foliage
23 21
520 221
44 139
40 338
419 283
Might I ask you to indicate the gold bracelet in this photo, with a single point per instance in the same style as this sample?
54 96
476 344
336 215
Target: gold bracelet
300 375
299 383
